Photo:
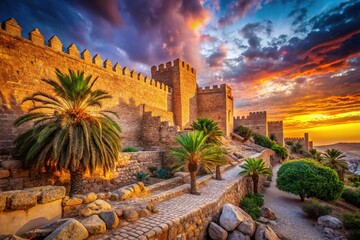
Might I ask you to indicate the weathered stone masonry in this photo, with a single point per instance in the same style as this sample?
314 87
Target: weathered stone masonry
171 94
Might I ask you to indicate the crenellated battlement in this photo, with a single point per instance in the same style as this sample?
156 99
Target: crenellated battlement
252 115
274 123
294 139
12 28
177 63
213 89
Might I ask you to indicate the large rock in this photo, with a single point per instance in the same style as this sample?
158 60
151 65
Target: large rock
11 164
329 221
52 193
73 201
90 197
236 235
70 230
4 173
123 193
96 207
44 231
216 232
110 218
247 227
264 232
130 215
23 200
94 225
232 216
266 212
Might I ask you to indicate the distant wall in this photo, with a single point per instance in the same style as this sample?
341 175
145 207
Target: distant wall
256 121
25 62
304 141
277 129
217 103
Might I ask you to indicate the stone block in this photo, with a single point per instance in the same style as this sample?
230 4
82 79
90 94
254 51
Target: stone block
23 200
4 173
20 173
16 184
2 202
73 201
52 194
90 197
11 164
94 225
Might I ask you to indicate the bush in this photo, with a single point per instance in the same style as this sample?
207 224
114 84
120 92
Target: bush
244 132
252 204
308 178
141 176
314 209
163 173
280 151
153 169
351 222
352 196
130 149
262 140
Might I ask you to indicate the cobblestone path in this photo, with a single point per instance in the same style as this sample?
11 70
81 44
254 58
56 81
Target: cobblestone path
172 210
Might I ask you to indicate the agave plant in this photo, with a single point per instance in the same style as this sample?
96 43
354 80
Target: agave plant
255 168
334 159
194 151
211 129
69 130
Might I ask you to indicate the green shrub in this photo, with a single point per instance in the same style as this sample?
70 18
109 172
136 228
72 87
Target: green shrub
252 203
308 178
163 173
262 140
141 176
244 132
352 196
280 151
351 222
314 209
153 169
130 149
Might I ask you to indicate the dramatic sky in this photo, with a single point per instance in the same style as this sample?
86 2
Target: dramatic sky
297 59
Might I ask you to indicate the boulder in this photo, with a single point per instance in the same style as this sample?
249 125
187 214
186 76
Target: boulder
4 173
10 237
329 221
23 200
101 196
216 232
123 193
52 194
232 216
96 207
70 230
90 197
130 215
94 225
141 185
119 212
73 201
143 212
11 164
264 232
114 197
247 227
110 218
44 231
266 212
236 235
136 188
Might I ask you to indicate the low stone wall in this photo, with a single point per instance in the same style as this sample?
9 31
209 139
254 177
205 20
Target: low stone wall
23 210
195 223
13 177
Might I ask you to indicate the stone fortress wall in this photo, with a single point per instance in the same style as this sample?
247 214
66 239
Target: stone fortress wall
304 141
277 128
256 121
151 109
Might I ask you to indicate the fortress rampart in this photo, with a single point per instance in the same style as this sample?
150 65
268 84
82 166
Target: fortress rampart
304 141
256 121
167 99
277 129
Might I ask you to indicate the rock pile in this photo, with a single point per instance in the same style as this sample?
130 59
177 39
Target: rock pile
236 224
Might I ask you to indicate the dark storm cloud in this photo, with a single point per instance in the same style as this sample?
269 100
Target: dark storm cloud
299 17
217 58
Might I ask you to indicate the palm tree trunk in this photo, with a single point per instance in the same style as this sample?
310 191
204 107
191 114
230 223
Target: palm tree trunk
302 198
218 173
255 179
76 182
193 167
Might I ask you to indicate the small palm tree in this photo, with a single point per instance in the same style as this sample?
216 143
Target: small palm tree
315 155
210 128
334 159
69 130
273 137
194 151
297 148
255 168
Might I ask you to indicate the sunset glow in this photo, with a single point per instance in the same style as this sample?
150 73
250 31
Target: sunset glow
297 60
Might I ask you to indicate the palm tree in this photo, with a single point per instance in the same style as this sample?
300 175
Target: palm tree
334 159
315 155
210 128
297 148
255 168
69 131
194 151
273 137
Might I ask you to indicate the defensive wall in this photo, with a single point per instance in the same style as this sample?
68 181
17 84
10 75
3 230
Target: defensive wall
277 129
304 141
169 98
256 121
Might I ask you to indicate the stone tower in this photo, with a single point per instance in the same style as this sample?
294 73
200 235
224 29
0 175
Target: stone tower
182 79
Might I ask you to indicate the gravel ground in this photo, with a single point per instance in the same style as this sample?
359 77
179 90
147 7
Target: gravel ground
291 222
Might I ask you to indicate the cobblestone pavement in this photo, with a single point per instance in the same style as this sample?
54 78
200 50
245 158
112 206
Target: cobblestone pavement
291 221
172 210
